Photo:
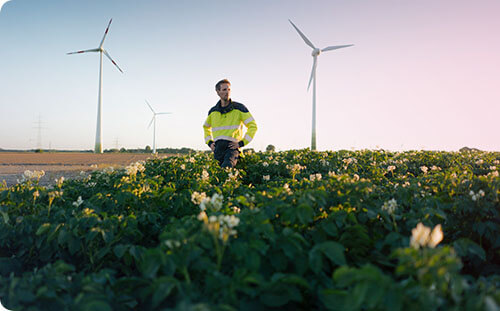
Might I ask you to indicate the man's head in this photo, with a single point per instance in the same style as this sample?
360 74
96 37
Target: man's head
223 89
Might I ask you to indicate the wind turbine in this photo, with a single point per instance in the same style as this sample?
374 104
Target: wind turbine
153 120
315 54
98 135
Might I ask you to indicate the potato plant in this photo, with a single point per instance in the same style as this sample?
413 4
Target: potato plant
296 230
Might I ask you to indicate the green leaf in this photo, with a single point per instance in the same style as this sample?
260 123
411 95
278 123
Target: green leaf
119 250
43 228
163 287
466 247
315 260
96 305
334 251
333 299
305 214
5 217
150 262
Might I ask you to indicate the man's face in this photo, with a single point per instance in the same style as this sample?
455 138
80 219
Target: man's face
224 91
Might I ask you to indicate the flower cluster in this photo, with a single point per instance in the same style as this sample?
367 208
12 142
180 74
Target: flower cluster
204 175
391 168
476 196
424 169
390 206
214 203
197 197
295 169
59 181
28 175
138 166
222 225
266 177
422 236
349 161
78 202
314 177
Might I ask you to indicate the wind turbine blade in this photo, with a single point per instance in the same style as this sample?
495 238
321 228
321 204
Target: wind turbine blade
302 35
151 122
105 33
106 53
313 72
164 113
329 48
83 51
150 107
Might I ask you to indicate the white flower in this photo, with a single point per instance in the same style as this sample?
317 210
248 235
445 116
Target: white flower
296 168
331 174
59 181
266 177
265 164
480 161
314 177
287 188
390 206
349 161
476 196
421 236
216 201
197 198
204 175
436 236
424 169
236 209
134 168
183 166
78 202
202 216
435 168
391 168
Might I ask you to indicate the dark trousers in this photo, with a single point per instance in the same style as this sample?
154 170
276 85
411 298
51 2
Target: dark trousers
226 156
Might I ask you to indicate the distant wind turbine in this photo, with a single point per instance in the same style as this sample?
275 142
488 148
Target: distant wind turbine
98 135
153 120
315 54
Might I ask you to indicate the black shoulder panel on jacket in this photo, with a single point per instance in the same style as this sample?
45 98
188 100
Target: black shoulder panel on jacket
214 108
240 107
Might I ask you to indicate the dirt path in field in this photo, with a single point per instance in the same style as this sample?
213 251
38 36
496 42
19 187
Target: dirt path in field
55 165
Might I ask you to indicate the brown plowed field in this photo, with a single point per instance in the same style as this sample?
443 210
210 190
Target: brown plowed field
55 165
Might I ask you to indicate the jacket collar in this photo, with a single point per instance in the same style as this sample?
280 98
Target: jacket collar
226 109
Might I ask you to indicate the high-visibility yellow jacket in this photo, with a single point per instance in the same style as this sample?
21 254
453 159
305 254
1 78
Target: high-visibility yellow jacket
227 123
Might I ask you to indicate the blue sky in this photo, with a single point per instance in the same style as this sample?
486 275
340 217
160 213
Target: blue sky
422 74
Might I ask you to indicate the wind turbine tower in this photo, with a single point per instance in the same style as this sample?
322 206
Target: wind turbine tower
101 50
316 51
153 120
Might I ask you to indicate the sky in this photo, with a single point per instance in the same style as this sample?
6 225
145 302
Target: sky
421 74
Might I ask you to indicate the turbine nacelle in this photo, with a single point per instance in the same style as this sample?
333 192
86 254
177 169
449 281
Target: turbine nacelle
316 52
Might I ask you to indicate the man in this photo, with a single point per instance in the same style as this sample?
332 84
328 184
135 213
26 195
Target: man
224 126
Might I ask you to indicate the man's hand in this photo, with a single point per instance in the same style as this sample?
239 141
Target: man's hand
212 146
234 145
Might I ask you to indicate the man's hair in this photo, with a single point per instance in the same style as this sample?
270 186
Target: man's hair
223 81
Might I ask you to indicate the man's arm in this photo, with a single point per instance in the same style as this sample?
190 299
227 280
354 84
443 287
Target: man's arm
251 125
207 129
